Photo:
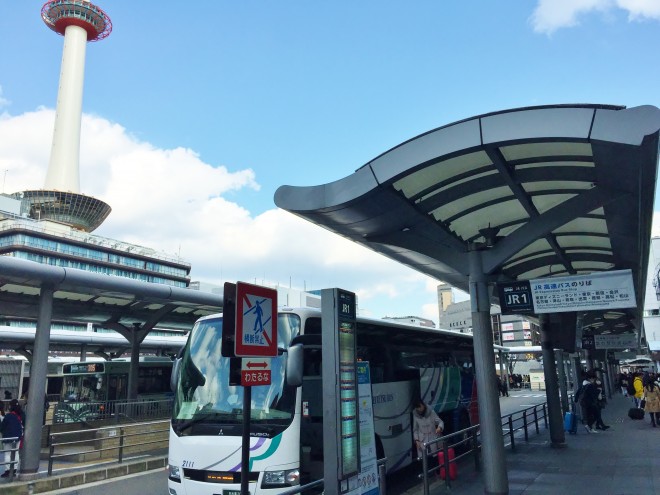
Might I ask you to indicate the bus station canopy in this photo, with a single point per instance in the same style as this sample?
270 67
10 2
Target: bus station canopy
103 300
550 191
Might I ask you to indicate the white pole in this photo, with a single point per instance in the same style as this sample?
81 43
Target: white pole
63 173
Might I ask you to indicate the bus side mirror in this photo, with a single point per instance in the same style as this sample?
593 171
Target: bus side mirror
174 377
294 366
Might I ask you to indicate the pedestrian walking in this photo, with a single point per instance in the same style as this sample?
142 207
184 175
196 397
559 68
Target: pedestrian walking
651 402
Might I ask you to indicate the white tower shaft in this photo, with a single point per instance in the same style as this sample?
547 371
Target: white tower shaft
63 169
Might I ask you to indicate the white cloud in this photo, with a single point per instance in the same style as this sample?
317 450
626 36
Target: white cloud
3 101
641 9
551 15
172 201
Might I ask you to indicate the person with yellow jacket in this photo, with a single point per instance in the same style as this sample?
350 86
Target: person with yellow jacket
639 389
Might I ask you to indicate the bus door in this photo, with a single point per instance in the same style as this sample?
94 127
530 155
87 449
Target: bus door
117 386
311 422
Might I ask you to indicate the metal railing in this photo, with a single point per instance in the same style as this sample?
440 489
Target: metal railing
512 423
12 465
521 420
111 441
119 410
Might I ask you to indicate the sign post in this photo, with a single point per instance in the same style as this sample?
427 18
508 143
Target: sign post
255 341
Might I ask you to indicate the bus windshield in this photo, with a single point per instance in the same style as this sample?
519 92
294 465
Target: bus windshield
204 400
83 388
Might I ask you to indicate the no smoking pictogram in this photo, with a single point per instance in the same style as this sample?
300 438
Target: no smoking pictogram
256 321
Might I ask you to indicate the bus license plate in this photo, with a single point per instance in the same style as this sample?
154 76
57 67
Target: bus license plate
231 492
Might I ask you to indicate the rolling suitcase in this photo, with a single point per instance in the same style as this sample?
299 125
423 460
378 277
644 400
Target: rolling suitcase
570 423
453 468
636 413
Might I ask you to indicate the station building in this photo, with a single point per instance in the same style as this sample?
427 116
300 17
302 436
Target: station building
31 233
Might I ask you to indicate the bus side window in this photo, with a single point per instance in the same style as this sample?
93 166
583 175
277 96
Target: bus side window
312 362
377 358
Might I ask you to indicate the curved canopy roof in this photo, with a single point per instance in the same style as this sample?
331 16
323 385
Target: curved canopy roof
103 300
552 190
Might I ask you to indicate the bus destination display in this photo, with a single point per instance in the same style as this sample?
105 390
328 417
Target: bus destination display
84 368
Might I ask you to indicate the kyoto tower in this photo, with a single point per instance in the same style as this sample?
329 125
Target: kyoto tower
79 21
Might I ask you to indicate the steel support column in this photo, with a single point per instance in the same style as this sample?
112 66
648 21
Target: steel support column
37 393
500 356
607 384
588 357
577 372
496 480
562 381
555 416
610 371
133 373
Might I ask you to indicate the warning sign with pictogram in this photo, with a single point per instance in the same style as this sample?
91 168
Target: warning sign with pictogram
256 321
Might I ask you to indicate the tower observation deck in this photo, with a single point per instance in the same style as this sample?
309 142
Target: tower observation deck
79 21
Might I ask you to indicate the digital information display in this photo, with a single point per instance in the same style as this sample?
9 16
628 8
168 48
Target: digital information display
348 398
83 368
341 419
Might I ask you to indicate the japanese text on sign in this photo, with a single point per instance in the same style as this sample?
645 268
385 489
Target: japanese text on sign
584 292
255 372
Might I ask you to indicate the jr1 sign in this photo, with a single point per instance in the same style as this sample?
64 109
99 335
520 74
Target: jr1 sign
515 298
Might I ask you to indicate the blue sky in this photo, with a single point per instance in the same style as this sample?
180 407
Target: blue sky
194 113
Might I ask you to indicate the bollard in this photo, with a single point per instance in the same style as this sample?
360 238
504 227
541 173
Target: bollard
51 452
425 469
536 419
12 462
381 477
475 449
121 445
511 434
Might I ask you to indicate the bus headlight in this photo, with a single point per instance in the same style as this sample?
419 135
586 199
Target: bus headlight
275 479
174 473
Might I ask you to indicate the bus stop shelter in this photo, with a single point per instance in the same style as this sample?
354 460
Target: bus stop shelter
131 307
507 196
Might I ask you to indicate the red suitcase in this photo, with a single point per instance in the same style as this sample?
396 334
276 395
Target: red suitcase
453 468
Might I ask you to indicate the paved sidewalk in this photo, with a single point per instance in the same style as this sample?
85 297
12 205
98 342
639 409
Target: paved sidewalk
76 475
624 460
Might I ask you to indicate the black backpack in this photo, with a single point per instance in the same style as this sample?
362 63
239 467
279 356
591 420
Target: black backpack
631 387
578 394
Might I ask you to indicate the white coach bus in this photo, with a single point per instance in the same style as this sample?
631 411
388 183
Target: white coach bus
286 430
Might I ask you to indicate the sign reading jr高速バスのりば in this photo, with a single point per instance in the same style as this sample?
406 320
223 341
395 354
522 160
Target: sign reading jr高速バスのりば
606 290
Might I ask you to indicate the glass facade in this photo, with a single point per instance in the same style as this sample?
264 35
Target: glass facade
77 210
121 265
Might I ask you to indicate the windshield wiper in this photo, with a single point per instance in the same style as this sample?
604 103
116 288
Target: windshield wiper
198 419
